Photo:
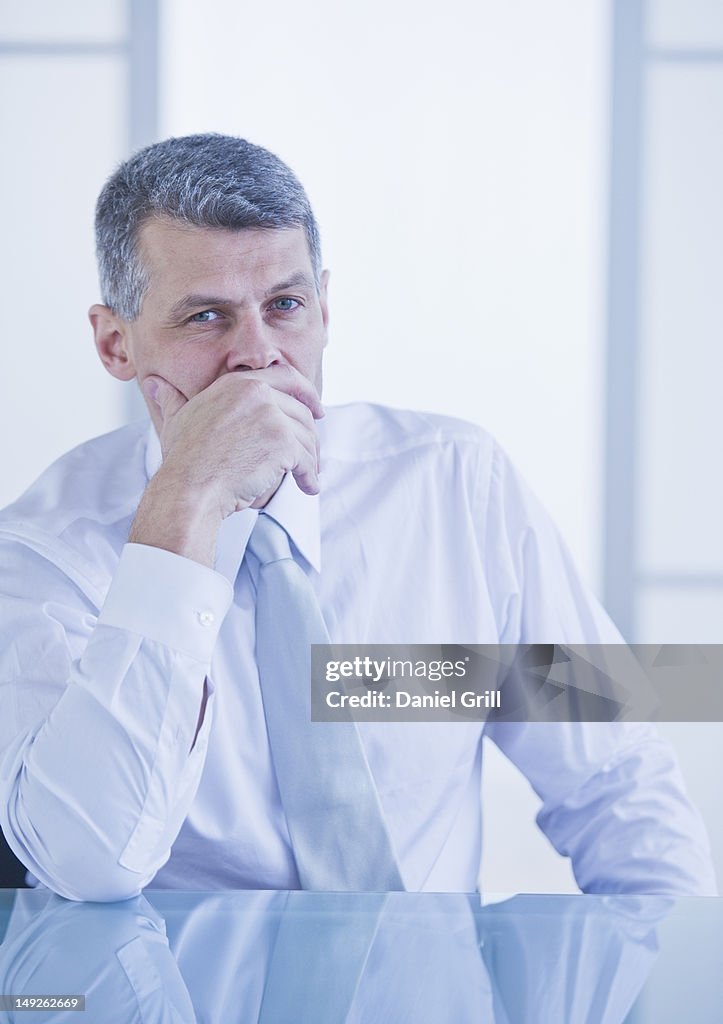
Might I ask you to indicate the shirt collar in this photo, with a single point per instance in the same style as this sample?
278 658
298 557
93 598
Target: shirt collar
297 512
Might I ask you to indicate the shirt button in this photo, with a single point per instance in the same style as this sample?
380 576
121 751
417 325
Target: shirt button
206 618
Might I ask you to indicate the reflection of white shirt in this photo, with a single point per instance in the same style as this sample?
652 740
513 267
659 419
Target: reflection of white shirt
358 958
423 534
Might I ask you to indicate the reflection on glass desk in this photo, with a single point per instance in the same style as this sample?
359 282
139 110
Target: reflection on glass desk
318 958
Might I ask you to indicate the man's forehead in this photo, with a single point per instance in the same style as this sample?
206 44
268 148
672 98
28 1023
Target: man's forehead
160 234
185 255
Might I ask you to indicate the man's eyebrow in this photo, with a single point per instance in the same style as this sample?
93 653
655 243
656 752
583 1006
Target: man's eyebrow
199 300
299 278
189 302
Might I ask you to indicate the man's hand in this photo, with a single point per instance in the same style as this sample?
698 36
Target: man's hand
226 449
236 439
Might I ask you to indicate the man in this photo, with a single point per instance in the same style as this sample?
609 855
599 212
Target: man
136 744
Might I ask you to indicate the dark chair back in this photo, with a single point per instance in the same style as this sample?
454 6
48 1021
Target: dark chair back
12 872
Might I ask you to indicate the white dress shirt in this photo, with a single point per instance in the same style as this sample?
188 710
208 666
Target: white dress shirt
423 533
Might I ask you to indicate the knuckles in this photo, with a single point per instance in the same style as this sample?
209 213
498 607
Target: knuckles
270 441
236 384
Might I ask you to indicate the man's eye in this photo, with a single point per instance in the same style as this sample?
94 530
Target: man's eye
285 304
205 317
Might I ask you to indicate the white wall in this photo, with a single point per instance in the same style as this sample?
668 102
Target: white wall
54 393
456 157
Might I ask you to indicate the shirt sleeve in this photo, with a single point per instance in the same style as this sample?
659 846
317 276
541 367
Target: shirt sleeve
98 765
613 798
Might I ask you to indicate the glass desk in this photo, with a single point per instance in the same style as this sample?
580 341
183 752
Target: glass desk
318 958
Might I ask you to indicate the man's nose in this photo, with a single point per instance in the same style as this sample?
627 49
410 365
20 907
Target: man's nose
252 347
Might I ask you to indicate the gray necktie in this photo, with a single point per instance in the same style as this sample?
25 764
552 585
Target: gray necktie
334 816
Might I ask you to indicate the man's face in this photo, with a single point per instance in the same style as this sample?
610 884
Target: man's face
218 301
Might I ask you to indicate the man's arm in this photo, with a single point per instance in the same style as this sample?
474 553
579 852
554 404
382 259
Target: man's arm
102 749
613 798
614 801
98 764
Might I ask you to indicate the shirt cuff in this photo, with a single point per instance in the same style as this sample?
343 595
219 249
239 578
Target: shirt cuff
168 598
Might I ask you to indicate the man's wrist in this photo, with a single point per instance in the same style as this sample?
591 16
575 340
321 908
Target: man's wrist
177 518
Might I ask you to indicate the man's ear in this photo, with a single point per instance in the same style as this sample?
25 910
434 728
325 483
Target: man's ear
110 341
323 298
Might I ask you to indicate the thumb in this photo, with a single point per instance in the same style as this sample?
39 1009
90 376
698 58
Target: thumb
168 399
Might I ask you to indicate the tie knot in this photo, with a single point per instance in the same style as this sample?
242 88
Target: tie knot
269 542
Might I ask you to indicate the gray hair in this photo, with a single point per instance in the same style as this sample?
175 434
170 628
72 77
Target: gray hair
214 181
